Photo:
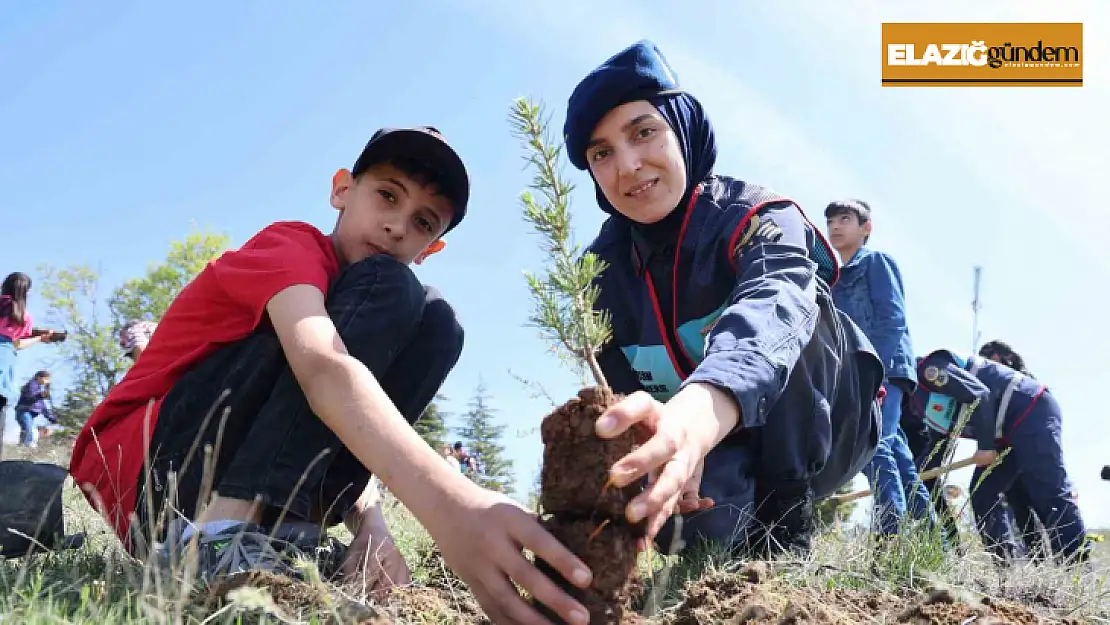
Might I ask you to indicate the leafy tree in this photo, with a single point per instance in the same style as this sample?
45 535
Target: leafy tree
149 296
483 439
91 351
565 295
432 424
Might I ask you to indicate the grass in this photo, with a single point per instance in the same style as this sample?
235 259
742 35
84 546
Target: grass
845 579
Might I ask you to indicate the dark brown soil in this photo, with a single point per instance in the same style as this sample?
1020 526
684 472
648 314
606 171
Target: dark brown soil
733 598
587 514
576 462
289 599
611 555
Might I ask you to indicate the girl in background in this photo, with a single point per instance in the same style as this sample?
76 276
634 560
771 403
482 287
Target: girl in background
16 333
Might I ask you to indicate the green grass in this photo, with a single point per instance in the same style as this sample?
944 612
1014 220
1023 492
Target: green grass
99 583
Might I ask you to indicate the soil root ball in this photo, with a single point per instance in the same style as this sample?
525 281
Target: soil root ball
575 474
585 513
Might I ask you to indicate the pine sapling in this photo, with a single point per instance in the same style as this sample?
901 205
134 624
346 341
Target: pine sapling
579 508
565 295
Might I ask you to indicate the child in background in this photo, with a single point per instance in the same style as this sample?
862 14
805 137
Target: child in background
134 337
16 333
1017 413
32 405
870 292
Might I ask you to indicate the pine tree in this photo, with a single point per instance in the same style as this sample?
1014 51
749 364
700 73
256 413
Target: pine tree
482 436
432 424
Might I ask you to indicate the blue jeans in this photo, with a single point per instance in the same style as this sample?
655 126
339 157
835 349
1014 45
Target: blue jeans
892 474
270 445
26 422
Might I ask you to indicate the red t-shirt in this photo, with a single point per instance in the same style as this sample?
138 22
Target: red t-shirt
223 304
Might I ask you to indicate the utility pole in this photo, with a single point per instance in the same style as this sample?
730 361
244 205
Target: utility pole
975 306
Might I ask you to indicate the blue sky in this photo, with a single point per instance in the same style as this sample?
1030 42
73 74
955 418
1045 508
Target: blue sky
125 124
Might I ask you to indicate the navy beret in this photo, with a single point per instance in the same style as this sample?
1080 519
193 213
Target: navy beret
638 72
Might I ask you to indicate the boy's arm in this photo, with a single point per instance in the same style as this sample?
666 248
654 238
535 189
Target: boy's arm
480 532
888 300
348 398
939 374
772 314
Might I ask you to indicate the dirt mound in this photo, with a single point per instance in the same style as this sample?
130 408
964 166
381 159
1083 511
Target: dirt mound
424 604
751 597
287 599
941 607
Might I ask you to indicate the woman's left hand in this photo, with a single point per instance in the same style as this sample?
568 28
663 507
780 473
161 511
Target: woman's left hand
671 455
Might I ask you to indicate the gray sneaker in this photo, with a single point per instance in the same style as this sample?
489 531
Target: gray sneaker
236 550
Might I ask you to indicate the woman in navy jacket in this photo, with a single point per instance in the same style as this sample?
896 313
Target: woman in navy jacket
758 395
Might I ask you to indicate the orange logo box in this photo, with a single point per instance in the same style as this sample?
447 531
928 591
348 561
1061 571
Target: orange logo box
982 55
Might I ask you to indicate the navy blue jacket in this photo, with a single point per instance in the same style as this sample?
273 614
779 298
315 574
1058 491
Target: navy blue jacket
870 291
738 300
1005 396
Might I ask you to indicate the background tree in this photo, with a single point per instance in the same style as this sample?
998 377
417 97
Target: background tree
92 352
148 297
432 424
482 436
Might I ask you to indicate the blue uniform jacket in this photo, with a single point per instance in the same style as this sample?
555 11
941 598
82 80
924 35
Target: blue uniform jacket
738 300
870 291
1005 396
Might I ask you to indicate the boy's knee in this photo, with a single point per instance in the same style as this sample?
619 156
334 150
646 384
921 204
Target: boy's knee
379 278
441 320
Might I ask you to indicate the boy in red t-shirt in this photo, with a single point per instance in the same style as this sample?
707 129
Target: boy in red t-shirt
283 375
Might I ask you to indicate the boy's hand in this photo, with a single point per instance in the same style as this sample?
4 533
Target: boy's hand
672 455
373 558
482 543
984 458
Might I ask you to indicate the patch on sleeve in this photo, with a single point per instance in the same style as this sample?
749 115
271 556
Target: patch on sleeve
760 229
936 376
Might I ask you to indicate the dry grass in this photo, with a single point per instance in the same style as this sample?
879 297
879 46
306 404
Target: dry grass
844 580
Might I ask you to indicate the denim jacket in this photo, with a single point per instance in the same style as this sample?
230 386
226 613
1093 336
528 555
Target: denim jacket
870 292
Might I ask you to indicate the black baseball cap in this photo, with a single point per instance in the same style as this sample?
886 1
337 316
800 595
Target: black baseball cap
424 143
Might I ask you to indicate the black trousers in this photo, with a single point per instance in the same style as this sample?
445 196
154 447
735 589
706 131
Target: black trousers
266 443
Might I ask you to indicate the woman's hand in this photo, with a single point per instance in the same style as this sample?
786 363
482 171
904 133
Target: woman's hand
676 438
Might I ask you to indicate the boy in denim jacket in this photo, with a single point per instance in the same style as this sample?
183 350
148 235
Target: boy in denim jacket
870 292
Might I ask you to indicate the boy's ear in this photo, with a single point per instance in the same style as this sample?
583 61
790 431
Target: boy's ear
436 246
867 228
340 182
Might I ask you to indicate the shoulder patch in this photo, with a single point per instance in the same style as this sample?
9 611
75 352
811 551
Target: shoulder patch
760 229
932 373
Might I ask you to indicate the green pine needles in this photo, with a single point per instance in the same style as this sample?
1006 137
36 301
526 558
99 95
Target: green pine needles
565 295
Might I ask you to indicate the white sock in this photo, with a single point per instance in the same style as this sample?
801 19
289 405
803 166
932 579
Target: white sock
211 527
